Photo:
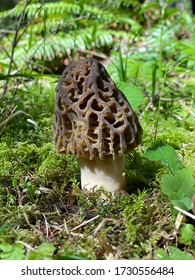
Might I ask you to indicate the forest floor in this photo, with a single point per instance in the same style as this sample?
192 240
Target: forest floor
43 212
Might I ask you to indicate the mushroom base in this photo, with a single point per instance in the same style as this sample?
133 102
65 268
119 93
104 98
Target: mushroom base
106 174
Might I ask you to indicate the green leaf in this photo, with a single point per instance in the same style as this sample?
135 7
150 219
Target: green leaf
183 203
179 185
132 93
2 228
12 252
170 12
164 153
43 252
46 249
174 254
15 182
187 234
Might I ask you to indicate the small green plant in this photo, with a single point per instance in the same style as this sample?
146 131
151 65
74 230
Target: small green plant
166 154
132 93
179 186
172 254
12 252
43 252
187 235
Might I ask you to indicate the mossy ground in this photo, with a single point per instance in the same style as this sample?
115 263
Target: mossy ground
41 202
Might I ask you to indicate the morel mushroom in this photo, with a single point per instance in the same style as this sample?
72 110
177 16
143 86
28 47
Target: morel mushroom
94 122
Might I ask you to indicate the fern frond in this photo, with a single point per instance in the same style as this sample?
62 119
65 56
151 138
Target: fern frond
56 29
119 3
49 9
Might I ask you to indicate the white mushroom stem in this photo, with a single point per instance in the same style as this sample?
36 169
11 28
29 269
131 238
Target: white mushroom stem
106 174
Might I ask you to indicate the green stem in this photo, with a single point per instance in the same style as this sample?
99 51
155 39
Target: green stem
160 68
159 104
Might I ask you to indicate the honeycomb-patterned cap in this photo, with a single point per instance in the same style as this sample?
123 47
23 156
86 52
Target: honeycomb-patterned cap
92 116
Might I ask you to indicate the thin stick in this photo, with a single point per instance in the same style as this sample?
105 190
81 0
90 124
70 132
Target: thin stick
26 245
102 223
86 222
14 43
46 225
4 123
185 212
177 223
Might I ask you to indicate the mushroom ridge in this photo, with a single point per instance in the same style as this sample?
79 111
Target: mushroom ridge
92 116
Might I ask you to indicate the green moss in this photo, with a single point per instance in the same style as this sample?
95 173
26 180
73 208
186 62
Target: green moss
40 188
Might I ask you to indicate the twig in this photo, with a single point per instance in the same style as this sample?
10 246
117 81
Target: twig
177 223
8 55
46 225
4 123
7 31
185 212
85 223
11 116
66 227
147 108
29 22
28 248
102 223
26 245
14 43
94 53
